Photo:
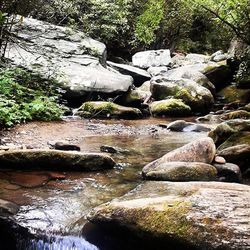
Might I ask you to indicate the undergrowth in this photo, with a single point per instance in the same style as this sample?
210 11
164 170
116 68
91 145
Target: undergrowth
26 96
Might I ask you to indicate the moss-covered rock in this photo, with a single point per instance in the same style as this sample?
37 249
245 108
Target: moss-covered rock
233 94
197 97
55 160
181 171
170 107
198 214
107 110
224 130
238 114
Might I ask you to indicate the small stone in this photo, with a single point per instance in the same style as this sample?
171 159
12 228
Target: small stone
219 160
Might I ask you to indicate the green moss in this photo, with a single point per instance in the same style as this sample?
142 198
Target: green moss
172 107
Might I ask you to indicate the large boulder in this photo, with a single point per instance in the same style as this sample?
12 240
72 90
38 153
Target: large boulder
189 215
192 74
170 107
77 62
201 150
139 75
197 97
54 160
152 58
182 171
107 110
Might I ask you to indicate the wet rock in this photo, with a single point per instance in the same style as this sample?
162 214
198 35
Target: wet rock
228 172
139 75
133 98
8 208
246 107
170 107
64 145
55 160
155 71
219 160
202 150
212 118
152 58
181 171
77 62
183 126
107 110
197 214
197 97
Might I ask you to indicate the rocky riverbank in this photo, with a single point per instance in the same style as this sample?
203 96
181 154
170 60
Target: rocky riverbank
179 168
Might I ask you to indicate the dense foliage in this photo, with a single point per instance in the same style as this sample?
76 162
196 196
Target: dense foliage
25 97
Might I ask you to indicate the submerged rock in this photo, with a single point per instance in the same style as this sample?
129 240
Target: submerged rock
170 107
55 160
197 97
183 126
8 208
201 215
201 150
101 109
152 58
181 171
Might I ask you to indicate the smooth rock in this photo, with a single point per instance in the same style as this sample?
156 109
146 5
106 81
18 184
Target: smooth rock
152 58
170 107
219 160
55 160
101 109
139 75
183 126
201 150
197 97
181 171
200 215
76 61
228 172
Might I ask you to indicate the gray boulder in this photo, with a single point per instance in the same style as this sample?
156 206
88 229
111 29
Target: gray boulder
152 58
181 171
77 62
161 70
200 215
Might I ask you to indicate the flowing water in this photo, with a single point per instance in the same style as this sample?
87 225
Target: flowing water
57 209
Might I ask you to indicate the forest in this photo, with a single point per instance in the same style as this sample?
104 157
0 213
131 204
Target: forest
124 124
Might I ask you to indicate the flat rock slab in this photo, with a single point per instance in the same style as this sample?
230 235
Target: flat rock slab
55 160
202 215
